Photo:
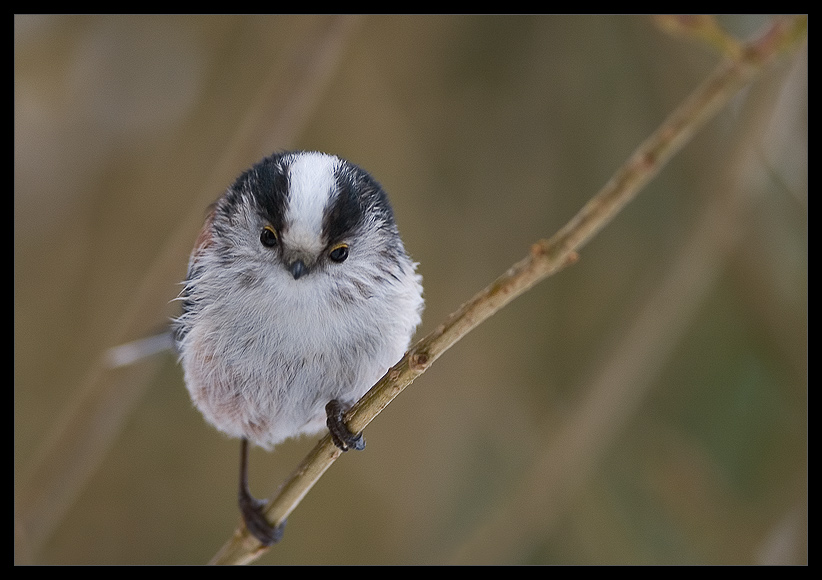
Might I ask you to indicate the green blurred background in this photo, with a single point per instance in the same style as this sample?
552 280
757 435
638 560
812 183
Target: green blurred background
647 405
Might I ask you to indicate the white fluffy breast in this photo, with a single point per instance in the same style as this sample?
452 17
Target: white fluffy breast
266 371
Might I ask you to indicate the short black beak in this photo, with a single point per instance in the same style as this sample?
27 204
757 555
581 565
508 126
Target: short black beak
297 269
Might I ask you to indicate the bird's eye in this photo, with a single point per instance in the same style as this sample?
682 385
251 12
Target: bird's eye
268 237
339 253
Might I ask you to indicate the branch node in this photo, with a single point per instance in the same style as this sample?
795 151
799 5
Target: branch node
571 258
418 361
539 249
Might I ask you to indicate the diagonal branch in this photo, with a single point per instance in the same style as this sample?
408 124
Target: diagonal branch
545 258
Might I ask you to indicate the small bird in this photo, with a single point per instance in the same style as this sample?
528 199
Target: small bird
299 297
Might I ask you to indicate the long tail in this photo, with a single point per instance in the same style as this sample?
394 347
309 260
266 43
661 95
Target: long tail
131 352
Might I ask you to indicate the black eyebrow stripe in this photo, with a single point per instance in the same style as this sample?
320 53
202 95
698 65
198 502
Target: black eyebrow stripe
270 184
345 213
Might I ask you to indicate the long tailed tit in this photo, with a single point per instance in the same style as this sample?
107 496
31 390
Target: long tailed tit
299 297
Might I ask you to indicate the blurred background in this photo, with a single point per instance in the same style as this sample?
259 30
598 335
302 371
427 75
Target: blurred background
647 405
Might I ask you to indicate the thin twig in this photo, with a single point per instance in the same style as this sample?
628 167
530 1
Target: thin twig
545 258
628 371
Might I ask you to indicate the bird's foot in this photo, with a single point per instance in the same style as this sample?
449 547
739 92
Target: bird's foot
342 437
256 522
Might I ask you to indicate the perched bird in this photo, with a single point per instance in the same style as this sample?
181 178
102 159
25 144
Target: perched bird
299 297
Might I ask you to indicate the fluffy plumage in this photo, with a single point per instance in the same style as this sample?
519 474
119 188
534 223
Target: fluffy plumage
265 342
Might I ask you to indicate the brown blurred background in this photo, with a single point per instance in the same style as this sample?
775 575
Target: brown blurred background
646 406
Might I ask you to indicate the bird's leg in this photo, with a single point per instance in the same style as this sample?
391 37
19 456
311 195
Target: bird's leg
342 437
252 508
